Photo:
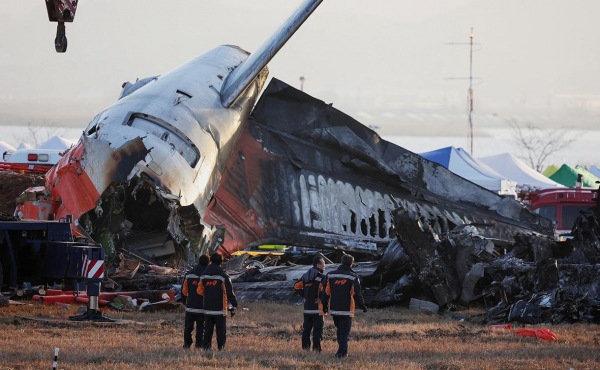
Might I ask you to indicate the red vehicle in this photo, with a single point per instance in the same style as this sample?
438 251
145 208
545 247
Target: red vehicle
561 204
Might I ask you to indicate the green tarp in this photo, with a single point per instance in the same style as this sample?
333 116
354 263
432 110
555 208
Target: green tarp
568 177
550 170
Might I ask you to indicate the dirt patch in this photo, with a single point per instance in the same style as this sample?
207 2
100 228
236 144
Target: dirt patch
12 185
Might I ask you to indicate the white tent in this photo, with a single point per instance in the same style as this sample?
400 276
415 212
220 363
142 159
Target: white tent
514 169
24 146
595 171
4 146
56 142
461 163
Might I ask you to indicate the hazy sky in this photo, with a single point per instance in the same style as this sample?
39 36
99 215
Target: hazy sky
382 61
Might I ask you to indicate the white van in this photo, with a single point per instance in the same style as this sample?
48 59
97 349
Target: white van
39 157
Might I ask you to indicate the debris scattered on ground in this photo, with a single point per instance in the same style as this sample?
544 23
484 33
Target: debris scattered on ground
254 274
161 270
520 277
543 334
127 269
423 306
283 290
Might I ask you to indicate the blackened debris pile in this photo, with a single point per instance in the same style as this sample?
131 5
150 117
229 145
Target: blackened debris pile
526 278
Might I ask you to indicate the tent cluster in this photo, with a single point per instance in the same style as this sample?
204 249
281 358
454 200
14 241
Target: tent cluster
54 143
502 173
567 175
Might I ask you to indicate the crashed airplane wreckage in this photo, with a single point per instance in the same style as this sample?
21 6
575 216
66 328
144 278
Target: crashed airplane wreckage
146 168
182 155
301 173
184 162
306 174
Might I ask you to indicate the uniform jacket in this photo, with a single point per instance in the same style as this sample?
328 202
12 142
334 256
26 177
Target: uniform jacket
342 292
310 287
215 287
194 302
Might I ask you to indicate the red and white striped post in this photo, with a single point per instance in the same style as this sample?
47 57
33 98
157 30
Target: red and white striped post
92 271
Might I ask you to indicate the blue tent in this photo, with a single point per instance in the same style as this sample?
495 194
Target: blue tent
595 171
461 163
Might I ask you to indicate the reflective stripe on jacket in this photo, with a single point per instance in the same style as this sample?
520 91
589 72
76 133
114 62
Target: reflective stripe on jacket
215 287
194 302
342 292
310 287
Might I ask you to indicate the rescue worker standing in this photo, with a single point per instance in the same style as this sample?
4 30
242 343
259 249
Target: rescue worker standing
342 292
310 287
215 287
194 307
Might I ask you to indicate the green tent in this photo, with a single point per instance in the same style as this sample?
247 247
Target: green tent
568 177
550 170
583 170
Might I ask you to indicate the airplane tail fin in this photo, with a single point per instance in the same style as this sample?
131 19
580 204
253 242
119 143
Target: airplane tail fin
242 76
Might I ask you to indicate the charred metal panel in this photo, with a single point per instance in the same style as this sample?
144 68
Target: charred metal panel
304 173
283 291
266 198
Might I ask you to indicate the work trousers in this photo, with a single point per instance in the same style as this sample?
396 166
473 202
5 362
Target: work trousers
312 323
190 320
343 324
210 322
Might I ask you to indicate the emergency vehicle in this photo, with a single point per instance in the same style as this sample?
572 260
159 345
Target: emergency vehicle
561 205
30 160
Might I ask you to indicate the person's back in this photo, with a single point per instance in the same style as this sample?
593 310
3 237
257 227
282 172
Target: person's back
194 302
342 293
194 305
342 288
310 287
216 289
215 282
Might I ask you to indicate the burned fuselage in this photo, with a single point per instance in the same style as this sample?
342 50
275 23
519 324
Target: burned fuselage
185 150
146 168
304 173
152 161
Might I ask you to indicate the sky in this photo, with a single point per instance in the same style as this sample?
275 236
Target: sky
385 62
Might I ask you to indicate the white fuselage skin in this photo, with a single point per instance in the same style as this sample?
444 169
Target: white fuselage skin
187 101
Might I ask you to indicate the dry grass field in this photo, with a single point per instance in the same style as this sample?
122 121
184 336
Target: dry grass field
267 336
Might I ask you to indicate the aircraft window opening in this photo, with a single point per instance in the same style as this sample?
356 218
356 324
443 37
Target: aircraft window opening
381 223
176 141
372 226
363 227
352 222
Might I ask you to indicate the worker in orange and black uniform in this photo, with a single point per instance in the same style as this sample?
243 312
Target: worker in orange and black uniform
341 294
215 287
194 305
310 287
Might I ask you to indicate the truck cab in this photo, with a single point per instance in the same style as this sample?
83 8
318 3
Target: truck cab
561 205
